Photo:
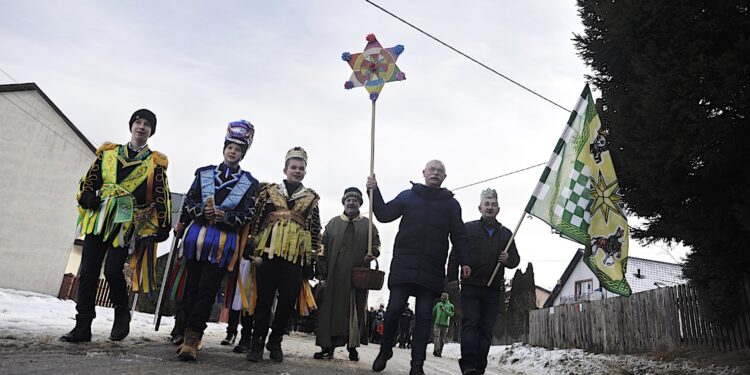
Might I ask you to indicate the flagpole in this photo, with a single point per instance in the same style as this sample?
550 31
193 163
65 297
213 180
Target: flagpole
372 174
510 242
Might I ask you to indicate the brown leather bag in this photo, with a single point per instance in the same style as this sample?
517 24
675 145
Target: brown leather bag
366 278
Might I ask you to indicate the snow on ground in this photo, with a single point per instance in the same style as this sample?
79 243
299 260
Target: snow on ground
34 320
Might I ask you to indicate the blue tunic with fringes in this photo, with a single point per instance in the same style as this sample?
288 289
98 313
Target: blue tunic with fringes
234 192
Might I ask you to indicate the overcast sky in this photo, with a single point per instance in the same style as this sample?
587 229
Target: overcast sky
199 65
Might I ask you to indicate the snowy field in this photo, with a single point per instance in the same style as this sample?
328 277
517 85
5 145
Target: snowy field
30 324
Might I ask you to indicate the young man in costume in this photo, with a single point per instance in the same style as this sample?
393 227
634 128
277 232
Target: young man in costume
343 309
480 303
429 216
220 202
124 207
286 235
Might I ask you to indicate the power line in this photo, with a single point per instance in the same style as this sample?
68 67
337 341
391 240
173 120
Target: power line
496 177
87 153
474 183
467 56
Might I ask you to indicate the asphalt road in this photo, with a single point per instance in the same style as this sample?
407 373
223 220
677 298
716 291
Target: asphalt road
154 355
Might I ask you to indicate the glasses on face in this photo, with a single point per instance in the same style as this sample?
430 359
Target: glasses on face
436 170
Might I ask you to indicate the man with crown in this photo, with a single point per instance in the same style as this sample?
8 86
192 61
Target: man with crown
480 303
220 202
342 316
124 210
286 235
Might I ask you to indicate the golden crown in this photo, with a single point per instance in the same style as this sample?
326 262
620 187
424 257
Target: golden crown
297 152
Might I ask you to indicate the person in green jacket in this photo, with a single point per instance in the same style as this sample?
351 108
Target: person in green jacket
443 311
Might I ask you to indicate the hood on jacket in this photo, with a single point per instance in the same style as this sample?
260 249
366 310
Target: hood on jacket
430 193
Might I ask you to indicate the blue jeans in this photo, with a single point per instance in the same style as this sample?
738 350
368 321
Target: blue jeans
479 306
422 315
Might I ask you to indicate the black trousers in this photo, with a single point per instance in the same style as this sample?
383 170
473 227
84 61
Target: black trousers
203 282
94 251
480 306
237 316
275 275
422 315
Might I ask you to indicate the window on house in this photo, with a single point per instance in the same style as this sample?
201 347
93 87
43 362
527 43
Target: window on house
584 289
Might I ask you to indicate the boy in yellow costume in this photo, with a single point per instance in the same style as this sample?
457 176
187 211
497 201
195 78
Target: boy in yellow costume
124 207
285 235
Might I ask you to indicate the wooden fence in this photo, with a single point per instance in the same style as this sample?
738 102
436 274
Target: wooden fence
69 290
656 320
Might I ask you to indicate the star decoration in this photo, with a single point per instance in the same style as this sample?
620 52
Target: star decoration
606 197
374 67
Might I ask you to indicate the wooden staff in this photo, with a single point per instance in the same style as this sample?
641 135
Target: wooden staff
372 174
168 269
499 264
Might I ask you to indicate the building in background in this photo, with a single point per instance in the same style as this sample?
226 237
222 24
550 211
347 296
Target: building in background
578 284
43 157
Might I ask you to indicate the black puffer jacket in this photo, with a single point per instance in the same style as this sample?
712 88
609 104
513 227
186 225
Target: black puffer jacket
428 217
483 253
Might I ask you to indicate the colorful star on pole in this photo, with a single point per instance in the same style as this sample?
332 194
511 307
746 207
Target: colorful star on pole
374 67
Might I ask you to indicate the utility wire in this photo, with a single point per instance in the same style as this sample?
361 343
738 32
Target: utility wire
88 153
467 56
472 184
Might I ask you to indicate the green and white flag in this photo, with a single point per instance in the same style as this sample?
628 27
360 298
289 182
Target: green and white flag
578 196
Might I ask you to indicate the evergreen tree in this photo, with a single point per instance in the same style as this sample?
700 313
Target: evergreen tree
522 300
674 79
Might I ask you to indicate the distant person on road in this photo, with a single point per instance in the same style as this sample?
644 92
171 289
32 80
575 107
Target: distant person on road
443 312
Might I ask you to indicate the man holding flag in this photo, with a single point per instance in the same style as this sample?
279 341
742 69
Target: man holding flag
579 196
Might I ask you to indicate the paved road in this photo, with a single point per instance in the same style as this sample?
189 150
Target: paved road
151 355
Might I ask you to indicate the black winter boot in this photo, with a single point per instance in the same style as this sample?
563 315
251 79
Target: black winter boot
229 340
274 348
383 357
81 332
256 350
244 345
353 354
416 368
324 353
121 326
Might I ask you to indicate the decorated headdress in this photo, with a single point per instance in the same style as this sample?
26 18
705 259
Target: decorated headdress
352 192
487 193
296 152
240 132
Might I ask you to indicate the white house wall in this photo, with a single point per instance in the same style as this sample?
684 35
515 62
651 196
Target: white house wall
580 272
40 172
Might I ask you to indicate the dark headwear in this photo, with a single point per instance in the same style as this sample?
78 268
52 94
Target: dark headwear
144 114
352 192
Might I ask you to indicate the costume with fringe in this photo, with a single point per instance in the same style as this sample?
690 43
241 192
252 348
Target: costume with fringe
124 198
234 192
286 235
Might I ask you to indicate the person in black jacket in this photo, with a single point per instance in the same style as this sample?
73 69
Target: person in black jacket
429 216
479 303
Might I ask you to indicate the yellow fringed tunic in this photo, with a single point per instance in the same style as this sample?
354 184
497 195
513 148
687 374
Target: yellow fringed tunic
286 231
120 217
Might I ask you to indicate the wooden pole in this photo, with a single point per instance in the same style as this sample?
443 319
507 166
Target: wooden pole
372 174
497 267
167 270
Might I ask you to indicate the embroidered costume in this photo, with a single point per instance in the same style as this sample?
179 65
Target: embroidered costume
285 234
124 210
211 244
